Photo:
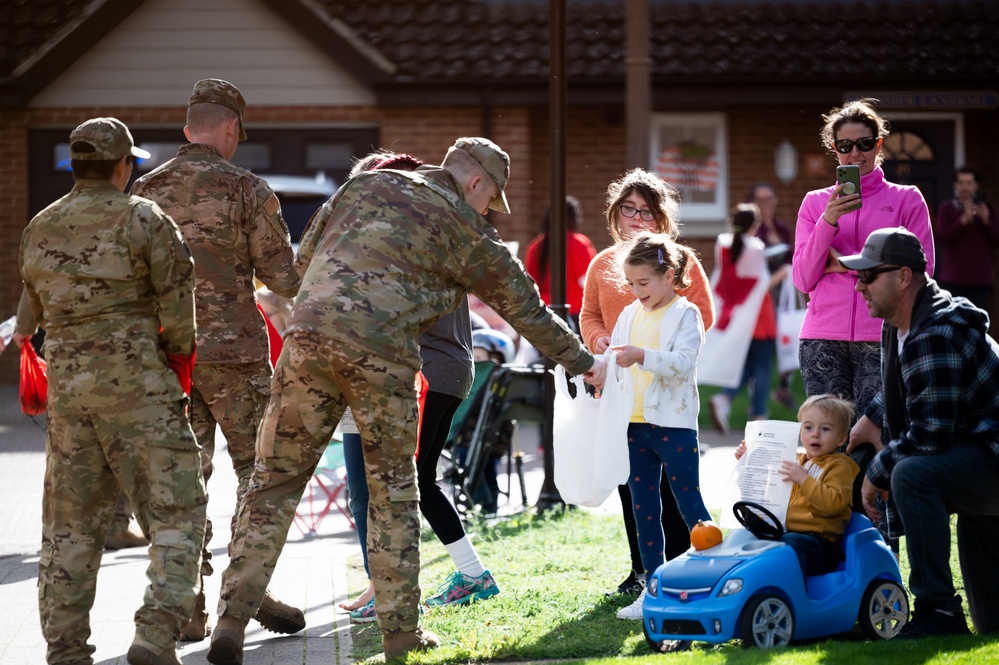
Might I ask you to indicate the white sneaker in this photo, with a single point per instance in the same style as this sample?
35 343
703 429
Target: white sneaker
633 611
720 406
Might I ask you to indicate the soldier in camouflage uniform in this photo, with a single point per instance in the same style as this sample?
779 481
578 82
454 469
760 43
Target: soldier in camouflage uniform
110 279
390 253
232 221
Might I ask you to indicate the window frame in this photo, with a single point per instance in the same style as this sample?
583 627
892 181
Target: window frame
699 212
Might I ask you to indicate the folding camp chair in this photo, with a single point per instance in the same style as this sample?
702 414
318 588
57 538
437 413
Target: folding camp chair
327 488
512 393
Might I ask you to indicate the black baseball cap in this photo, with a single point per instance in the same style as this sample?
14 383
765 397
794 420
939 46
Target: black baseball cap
891 246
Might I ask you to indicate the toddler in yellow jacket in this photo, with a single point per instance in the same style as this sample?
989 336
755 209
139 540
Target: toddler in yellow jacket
822 497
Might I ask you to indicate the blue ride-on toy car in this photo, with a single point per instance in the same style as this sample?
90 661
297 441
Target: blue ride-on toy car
750 587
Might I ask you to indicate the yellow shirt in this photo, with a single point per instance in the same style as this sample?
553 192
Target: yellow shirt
646 333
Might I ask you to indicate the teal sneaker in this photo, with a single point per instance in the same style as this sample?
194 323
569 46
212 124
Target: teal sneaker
460 589
364 614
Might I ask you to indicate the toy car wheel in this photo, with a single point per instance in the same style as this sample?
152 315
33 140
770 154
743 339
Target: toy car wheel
884 609
665 646
767 622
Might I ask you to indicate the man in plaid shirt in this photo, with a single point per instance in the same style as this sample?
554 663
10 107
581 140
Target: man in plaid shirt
938 417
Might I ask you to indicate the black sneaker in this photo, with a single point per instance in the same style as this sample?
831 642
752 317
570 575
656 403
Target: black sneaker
934 623
631 586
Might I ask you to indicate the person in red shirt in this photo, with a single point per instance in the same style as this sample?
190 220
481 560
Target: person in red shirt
579 251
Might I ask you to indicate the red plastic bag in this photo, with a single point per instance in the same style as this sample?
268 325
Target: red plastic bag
422 387
34 383
183 367
273 336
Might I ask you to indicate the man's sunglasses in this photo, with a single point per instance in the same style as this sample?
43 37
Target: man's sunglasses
866 144
868 276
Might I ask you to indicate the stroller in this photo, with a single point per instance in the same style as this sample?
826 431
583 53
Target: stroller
484 431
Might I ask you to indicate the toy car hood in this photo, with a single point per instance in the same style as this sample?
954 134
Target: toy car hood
702 569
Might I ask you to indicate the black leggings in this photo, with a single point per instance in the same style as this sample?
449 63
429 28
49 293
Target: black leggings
438 411
674 528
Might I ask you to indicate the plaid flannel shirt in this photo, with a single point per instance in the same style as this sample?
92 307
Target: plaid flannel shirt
950 374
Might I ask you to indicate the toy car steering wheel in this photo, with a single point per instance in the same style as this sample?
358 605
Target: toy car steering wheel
764 529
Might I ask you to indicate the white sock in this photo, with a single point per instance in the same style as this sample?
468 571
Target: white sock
466 560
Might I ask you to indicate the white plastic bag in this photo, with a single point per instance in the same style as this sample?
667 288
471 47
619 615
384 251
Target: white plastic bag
790 316
591 436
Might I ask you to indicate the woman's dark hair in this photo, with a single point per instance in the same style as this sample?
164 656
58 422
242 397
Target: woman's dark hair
744 216
92 169
573 218
659 252
859 111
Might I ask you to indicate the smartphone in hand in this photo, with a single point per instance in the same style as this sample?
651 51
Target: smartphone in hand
849 176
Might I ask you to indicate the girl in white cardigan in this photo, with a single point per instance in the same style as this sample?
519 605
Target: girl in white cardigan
659 336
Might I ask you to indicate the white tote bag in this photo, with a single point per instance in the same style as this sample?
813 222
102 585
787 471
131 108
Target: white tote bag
591 436
790 316
723 354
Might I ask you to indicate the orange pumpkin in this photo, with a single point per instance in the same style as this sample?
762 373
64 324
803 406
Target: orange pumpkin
705 535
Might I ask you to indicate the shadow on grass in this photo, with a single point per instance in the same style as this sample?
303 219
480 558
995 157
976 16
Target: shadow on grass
552 569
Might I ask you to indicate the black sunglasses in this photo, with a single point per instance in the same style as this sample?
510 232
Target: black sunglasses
865 144
868 276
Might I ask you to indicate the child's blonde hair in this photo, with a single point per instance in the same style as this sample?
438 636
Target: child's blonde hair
838 409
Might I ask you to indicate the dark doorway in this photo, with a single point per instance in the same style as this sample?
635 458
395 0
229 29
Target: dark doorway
921 153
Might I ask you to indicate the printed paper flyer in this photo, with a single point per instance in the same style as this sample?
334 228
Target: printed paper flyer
756 477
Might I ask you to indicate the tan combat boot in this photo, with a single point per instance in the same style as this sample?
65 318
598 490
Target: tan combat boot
278 617
227 642
200 625
123 538
144 653
397 645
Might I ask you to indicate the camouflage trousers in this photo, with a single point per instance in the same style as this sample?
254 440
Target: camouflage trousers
315 380
150 453
232 395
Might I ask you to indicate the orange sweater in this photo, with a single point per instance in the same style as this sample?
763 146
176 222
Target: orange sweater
606 294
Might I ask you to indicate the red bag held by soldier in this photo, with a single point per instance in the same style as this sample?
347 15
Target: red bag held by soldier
34 383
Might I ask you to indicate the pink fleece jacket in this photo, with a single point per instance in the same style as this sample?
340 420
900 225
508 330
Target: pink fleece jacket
835 310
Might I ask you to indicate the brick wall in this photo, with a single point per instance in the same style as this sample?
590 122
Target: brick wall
13 217
595 150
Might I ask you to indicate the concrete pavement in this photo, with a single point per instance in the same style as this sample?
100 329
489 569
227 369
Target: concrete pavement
311 574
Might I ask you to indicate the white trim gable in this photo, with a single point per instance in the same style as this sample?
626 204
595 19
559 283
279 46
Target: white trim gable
155 55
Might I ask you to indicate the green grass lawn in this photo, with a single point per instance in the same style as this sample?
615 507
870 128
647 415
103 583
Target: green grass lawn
553 571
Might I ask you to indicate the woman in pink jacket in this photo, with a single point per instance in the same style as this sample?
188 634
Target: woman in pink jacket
840 341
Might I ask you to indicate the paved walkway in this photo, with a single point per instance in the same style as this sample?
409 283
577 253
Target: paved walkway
311 574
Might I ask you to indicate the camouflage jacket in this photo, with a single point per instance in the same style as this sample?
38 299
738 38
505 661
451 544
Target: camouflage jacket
392 251
232 221
110 279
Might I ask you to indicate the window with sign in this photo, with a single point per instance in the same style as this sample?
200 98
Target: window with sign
690 152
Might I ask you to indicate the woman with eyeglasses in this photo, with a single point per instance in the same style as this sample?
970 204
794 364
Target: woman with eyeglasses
639 201
840 349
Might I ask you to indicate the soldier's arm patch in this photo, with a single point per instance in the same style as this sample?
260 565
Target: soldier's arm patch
271 205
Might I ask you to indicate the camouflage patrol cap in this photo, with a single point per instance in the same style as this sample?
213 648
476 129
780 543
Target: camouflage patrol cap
109 138
223 93
495 162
